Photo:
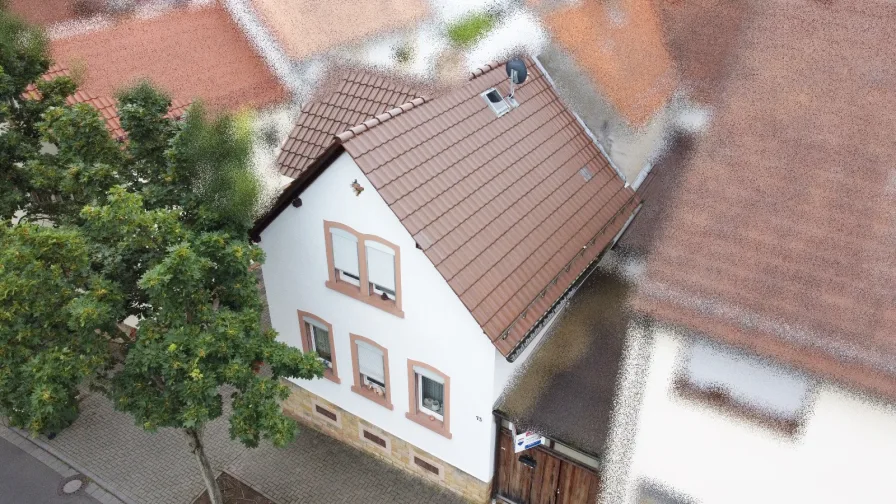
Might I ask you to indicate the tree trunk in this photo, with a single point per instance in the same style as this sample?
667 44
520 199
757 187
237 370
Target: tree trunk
205 466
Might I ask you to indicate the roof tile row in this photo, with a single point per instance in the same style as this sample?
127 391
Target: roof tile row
358 96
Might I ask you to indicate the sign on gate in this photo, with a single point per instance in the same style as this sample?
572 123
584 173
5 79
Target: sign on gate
525 440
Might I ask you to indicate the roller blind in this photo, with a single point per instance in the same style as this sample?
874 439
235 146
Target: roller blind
381 266
370 362
429 374
345 251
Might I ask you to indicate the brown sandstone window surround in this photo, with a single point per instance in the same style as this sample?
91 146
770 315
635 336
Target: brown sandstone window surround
429 397
362 277
312 328
375 384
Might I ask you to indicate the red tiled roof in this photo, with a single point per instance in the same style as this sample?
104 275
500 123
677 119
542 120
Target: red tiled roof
104 105
627 58
780 234
193 53
43 12
307 27
498 204
357 95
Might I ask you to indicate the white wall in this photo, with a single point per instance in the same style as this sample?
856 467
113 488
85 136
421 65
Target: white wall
437 329
845 453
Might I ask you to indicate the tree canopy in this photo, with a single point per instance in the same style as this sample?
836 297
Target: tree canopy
93 230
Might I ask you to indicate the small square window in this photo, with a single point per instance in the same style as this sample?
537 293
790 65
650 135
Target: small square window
317 336
431 395
497 103
429 398
320 341
371 378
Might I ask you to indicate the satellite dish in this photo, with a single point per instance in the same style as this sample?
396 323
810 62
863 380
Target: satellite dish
516 70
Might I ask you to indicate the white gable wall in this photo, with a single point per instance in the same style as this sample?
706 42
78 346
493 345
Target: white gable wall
845 453
437 329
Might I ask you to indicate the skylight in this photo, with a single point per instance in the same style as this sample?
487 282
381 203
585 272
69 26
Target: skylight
496 102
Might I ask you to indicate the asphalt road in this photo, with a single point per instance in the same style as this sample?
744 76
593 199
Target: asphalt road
26 480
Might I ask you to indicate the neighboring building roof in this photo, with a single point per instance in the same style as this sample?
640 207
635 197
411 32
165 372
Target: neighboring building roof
780 233
105 106
43 12
701 37
567 387
356 95
500 205
195 53
307 27
625 55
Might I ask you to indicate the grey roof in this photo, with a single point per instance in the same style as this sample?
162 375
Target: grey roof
565 390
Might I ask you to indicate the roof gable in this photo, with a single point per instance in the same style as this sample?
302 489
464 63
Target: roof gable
498 204
357 95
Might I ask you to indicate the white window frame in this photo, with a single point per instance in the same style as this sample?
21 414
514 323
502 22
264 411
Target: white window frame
422 408
376 288
342 275
498 108
315 325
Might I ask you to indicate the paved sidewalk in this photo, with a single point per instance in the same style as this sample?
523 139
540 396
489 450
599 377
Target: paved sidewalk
158 468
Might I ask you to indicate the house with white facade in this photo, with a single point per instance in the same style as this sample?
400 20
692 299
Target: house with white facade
422 251
764 369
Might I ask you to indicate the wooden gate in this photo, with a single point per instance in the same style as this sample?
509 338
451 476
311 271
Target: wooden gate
542 477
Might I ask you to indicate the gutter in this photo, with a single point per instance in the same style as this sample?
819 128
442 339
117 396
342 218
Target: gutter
568 293
290 195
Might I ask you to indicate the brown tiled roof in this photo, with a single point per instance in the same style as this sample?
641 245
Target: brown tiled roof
104 105
628 60
498 204
196 53
781 232
357 95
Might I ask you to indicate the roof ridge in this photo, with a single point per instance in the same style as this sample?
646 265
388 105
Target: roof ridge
482 69
379 119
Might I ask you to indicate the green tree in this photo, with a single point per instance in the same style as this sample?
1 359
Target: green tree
23 59
55 310
155 227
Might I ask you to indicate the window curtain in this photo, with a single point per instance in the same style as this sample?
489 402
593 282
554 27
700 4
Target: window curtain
433 391
321 339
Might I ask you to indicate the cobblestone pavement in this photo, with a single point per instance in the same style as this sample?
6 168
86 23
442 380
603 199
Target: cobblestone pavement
159 468
319 469
151 468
